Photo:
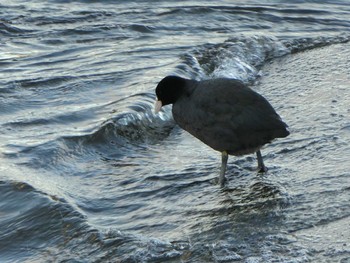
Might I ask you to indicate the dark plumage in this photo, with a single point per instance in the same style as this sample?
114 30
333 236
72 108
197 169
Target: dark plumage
224 114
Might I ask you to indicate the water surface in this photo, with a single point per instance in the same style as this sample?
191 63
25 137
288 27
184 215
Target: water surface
89 173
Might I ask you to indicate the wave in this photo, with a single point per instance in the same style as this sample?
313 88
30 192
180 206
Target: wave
8 29
239 57
133 123
131 133
307 43
242 57
44 227
34 220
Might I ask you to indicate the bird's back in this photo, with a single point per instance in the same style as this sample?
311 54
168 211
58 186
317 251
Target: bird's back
228 116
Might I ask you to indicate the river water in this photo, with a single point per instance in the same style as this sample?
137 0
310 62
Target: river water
88 173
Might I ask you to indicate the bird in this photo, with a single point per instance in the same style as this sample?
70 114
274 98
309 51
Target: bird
223 113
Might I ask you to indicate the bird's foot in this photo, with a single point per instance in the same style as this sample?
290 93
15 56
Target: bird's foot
262 169
222 182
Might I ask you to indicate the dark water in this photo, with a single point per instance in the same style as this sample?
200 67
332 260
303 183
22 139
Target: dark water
89 174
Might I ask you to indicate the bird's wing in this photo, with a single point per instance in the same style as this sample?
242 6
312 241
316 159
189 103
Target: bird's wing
223 115
238 108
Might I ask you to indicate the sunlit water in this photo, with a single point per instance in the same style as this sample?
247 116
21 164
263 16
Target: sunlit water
89 173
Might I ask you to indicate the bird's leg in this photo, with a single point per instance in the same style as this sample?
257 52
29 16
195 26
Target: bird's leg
261 166
224 158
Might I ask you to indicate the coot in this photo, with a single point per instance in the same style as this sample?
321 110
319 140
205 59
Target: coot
223 113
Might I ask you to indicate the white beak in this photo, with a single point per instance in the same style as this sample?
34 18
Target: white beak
157 105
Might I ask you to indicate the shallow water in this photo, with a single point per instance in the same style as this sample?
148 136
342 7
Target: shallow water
90 174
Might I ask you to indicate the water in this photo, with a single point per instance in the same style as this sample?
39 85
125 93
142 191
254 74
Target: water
90 174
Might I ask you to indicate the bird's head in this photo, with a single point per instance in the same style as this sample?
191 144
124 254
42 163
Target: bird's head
168 91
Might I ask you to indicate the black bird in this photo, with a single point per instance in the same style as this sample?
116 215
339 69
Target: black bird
223 113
